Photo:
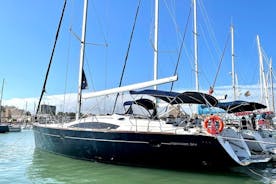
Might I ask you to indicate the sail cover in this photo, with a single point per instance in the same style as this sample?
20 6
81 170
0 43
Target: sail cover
240 106
179 98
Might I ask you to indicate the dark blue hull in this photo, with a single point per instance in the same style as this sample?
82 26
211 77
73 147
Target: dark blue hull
141 149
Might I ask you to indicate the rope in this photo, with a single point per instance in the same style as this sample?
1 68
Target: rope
221 59
182 43
51 59
126 58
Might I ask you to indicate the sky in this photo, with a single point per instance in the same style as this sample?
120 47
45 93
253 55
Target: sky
28 29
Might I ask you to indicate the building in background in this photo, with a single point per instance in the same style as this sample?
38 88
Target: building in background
47 109
13 114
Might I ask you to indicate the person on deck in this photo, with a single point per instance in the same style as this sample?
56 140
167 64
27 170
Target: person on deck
243 123
253 121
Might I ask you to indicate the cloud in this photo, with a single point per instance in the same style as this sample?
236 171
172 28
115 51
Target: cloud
68 102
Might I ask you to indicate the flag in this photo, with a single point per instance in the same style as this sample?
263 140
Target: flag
84 84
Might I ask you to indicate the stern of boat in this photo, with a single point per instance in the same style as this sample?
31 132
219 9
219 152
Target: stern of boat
234 144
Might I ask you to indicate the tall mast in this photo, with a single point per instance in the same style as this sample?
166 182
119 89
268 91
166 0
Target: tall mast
1 99
260 69
271 85
233 63
195 48
262 74
82 51
155 67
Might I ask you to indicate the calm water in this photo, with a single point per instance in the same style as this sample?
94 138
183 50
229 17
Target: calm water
21 163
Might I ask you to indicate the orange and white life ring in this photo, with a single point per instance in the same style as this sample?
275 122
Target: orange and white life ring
210 124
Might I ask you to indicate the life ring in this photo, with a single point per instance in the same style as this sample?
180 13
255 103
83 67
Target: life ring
212 128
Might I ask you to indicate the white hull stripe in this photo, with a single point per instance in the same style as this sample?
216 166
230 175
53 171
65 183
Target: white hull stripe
120 141
93 139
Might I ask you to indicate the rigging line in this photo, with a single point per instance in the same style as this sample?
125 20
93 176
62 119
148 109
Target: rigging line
151 26
211 55
99 22
71 31
88 43
211 34
107 23
266 59
181 47
66 72
273 74
256 69
207 43
172 15
89 72
106 74
52 55
91 78
71 18
208 26
188 52
97 44
126 58
221 59
171 10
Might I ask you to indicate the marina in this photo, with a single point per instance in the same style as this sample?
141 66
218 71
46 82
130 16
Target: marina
30 165
123 104
159 138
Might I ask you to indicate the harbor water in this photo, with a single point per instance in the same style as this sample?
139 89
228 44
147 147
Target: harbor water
21 163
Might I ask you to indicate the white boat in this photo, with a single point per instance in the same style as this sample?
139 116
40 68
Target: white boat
14 128
150 140
260 141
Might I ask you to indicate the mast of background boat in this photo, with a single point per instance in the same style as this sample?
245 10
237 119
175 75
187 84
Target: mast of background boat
195 48
155 67
233 63
262 74
271 84
82 51
1 99
260 70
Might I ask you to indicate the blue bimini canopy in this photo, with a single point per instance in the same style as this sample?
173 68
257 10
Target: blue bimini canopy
240 106
188 97
146 103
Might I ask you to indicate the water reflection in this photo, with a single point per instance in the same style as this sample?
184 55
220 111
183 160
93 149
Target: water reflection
260 173
21 163
51 168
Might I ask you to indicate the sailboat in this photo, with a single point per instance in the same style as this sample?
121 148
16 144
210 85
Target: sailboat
258 140
3 127
150 140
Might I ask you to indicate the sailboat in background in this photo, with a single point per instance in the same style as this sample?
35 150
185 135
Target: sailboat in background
154 139
3 128
241 115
